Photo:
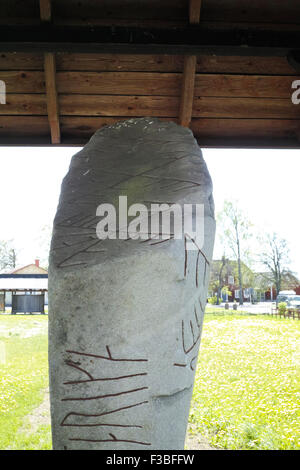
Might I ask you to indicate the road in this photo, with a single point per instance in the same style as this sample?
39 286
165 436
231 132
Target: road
260 307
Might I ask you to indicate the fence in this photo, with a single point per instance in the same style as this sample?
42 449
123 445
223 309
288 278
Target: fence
289 312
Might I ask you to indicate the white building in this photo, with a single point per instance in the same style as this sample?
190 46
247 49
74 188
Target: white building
25 289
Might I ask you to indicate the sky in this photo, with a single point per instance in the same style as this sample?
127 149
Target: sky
265 183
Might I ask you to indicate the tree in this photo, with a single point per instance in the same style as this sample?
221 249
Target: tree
217 277
234 231
43 241
8 256
220 277
275 257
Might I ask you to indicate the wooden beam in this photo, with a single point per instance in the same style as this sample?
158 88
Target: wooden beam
102 83
24 126
187 92
194 11
235 108
149 63
45 10
52 98
150 84
189 72
120 83
227 107
156 106
218 132
50 78
187 40
275 11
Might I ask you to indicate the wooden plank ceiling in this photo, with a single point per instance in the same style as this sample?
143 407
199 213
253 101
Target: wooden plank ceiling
227 100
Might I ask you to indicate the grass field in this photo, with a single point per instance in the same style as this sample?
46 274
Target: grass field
246 394
247 388
23 380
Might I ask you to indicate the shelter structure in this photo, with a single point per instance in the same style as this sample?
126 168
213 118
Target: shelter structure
227 69
25 289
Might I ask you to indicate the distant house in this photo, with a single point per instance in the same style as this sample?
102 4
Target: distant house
30 269
25 289
255 286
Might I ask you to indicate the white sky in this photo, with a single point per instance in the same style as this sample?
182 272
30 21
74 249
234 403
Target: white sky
265 182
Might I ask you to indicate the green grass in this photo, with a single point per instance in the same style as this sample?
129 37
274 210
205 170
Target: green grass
247 393
23 380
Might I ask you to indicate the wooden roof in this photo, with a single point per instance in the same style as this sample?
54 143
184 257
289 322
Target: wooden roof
222 67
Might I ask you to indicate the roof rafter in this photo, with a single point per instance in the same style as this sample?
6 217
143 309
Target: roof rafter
50 79
189 71
45 10
190 40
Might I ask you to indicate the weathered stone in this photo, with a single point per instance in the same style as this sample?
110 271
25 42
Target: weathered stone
125 317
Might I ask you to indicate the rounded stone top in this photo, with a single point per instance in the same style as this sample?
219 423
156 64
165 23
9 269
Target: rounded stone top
145 125
147 160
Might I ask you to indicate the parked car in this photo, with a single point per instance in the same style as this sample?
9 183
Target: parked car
293 301
284 296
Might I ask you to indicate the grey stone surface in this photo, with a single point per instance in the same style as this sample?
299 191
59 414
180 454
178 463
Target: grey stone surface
125 317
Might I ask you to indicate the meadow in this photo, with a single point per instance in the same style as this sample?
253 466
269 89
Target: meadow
23 381
247 387
246 393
